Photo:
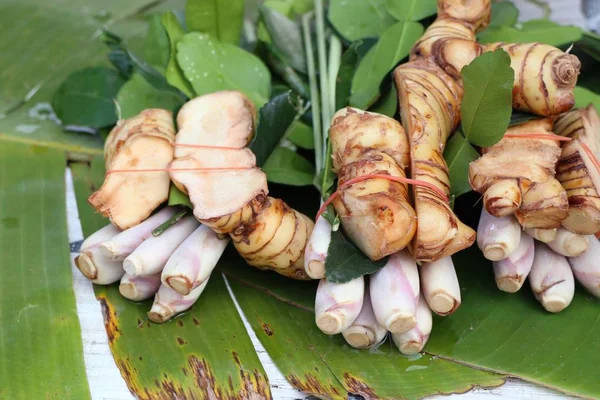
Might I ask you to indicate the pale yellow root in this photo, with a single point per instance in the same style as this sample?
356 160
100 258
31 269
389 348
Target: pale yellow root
516 175
430 104
376 213
141 142
576 170
475 13
544 77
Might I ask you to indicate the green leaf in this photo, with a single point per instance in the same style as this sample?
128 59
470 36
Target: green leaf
532 31
301 135
512 333
518 117
177 197
583 97
286 38
345 261
288 168
274 119
220 19
359 19
156 45
411 10
487 103
326 175
280 313
350 60
503 13
394 45
192 355
174 74
387 104
86 97
137 95
458 155
41 346
211 66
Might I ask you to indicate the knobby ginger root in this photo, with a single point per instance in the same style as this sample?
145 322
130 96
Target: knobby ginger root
516 176
365 331
141 142
577 170
544 77
551 279
376 213
229 193
475 13
92 263
430 109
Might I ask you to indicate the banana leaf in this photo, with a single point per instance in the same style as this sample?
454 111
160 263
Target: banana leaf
202 353
41 351
280 313
43 43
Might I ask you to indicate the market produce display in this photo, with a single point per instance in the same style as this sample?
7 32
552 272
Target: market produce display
213 142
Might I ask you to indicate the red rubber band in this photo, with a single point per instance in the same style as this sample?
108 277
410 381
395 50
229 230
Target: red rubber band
351 182
591 155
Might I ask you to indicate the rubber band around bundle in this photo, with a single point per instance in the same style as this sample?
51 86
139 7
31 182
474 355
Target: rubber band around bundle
351 182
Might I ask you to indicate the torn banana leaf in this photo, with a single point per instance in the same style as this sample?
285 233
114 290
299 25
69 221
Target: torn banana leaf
280 312
512 334
46 45
196 355
41 351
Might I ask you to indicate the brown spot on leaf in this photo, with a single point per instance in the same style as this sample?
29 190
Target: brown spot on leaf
111 323
196 322
267 328
181 341
358 386
312 385
179 322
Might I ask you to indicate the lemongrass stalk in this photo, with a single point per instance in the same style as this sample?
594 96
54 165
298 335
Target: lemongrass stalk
414 340
551 279
511 272
139 288
497 237
92 263
316 249
586 267
395 292
168 303
194 260
123 244
338 304
314 91
365 331
569 244
543 235
151 256
326 111
440 287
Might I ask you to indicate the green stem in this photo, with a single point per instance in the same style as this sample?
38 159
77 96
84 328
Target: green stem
335 59
543 5
289 76
324 78
170 222
314 91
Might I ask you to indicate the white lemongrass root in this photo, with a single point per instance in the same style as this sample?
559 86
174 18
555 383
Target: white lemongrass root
551 279
395 292
414 340
569 244
365 331
168 303
151 256
92 263
543 235
194 260
586 267
138 288
316 249
123 244
497 237
338 304
439 284
513 270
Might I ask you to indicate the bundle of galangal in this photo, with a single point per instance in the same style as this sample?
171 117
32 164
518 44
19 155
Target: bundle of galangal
209 161
528 180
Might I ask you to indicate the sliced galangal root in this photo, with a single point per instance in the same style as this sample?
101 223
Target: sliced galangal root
127 197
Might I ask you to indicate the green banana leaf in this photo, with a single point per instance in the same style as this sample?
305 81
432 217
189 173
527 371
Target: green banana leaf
205 352
308 358
43 43
41 351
